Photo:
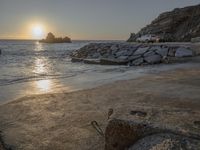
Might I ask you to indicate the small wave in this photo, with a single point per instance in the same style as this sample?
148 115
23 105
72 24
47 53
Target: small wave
4 82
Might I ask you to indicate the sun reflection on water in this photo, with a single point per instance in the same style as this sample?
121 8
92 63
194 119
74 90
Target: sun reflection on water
38 46
44 85
40 67
41 70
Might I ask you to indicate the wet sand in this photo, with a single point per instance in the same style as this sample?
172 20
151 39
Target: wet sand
62 121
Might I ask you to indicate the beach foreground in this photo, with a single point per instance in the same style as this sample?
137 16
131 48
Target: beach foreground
63 121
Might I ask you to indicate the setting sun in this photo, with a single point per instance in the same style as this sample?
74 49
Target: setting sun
37 31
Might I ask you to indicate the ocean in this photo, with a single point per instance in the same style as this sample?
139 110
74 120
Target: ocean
29 67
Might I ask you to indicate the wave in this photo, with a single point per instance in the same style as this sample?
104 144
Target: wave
4 82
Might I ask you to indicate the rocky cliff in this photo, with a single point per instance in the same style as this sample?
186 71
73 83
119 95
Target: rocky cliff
181 24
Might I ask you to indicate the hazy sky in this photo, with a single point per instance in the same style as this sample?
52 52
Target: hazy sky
82 19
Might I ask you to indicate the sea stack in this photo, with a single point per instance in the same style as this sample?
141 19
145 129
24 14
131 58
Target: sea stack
52 39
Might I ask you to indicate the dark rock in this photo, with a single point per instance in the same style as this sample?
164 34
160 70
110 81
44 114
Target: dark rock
164 141
183 52
137 62
149 53
104 61
162 52
52 39
132 37
123 134
134 57
181 24
131 54
91 61
74 59
197 124
121 53
153 59
195 40
141 51
96 55
172 52
123 57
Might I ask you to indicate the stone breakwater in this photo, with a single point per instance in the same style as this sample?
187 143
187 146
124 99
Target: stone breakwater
130 54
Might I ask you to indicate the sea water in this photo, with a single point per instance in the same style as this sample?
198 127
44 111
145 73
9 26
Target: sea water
29 67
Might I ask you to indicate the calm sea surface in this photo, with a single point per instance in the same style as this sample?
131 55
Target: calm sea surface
30 67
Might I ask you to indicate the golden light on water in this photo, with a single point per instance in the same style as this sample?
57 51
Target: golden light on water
44 85
39 66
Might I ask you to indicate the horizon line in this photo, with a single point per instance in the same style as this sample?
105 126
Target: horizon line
72 40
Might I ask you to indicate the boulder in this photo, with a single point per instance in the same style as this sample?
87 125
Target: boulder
122 57
141 50
164 141
114 48
149 53
106 61
121 53
91 61
153 59
75 59
195 40
162 52
134 57
96 55
137 62
172 52
183 52
139 135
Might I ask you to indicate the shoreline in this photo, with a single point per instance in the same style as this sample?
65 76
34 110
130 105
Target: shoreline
90 80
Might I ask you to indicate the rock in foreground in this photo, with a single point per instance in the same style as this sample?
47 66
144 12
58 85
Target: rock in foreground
123 134
129 54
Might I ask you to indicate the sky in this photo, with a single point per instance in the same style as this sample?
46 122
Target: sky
80 19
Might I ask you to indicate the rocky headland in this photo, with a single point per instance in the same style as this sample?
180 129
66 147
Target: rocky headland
131 54
52 39
181 24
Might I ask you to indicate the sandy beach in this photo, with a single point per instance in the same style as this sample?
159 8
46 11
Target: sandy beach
63 120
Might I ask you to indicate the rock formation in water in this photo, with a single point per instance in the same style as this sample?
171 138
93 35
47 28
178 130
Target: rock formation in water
52 39
181 24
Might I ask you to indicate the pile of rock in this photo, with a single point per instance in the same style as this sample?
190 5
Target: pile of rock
128 54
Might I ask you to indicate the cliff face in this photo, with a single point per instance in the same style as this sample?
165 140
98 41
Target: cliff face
181 24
